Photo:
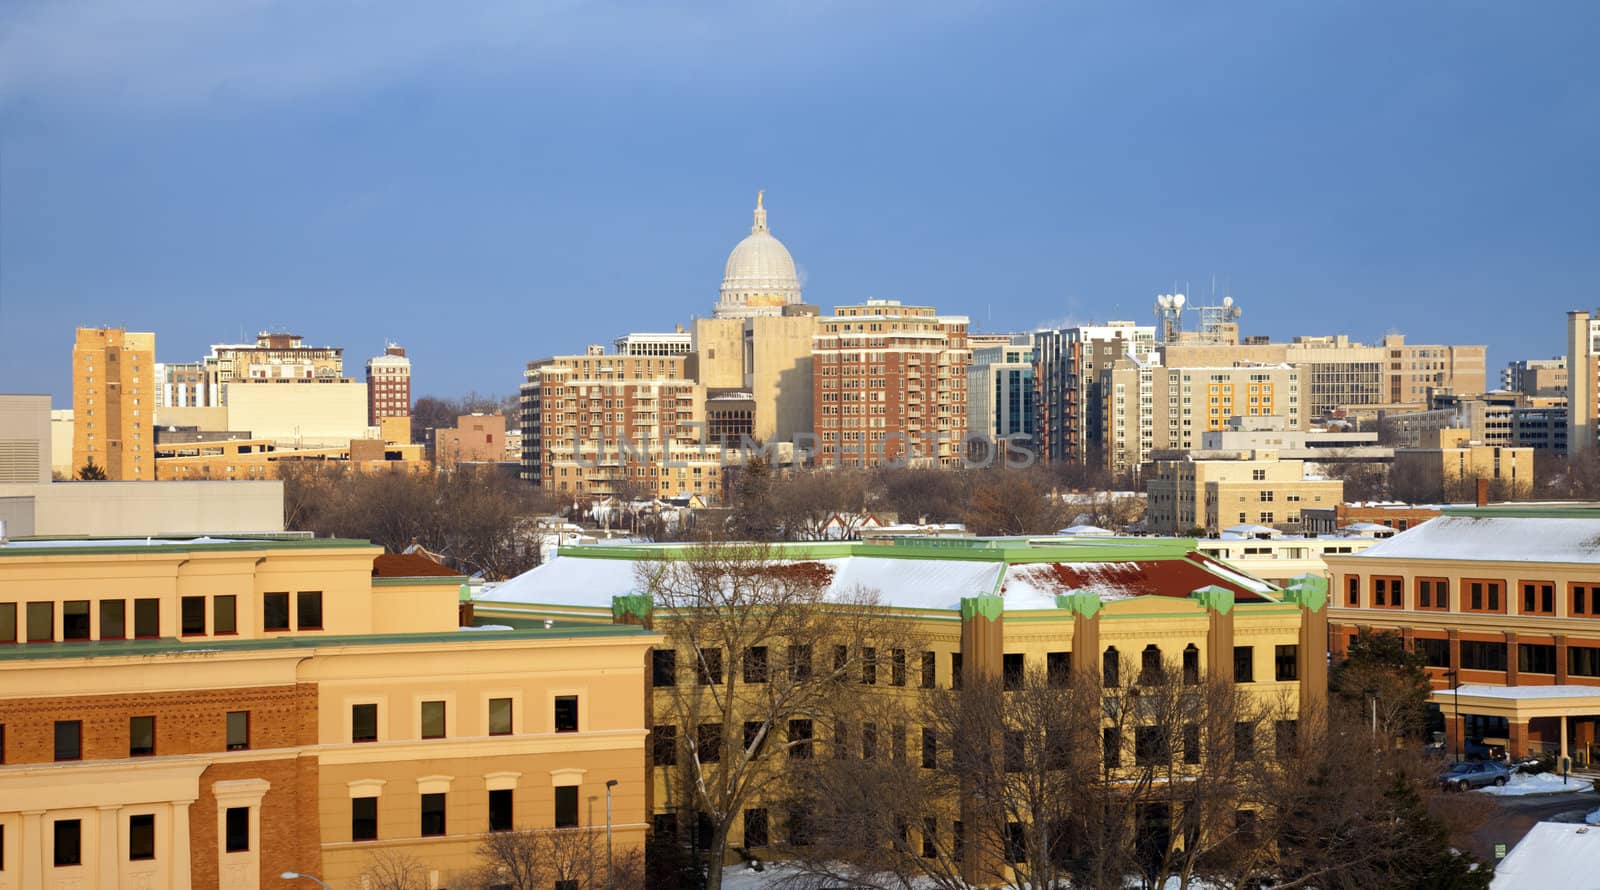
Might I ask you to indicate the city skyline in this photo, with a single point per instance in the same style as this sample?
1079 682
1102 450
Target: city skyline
1025 167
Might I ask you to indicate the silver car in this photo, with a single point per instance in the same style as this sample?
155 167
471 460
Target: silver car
1474 774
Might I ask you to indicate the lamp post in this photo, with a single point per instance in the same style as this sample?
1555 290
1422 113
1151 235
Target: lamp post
295 876
610 784
1455 686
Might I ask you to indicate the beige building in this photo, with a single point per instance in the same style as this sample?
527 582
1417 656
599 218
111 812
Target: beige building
114 402
477 438
254 459
317 413
766 356
26 428
61 431
1536 377
890 384
1272 556
1257 488
1067 365
1149 407
273 357
215 712
1583 366
388 385
1449 462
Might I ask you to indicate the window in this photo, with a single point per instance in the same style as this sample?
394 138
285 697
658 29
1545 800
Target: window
663 667
869 741
1110 668
1016 842
1483 596
68 848
755 827
1244 740
1583 602
755 664
569 883
1284 735
930 668
141 837
499 716
1150 668
433 719
1477 656
309 603
1433 593
8 622
141 736
147 618
69 740
869 665
664 745
224 614
237 830
1111 746
433 815
364 723
930 749
75 620
567 806
238 730
364 819
755 741
192 616
897 667
1058 669
800 735
566 713
800 662
1150 746
500 810
1352 588
1191 743
275 611
1013 671
1536 659
1387 592
708 742
41 623
955 670
930 837
1285 663
1538 598
708 668
1436 652
1582 661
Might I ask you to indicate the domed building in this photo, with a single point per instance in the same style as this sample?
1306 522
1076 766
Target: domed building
760 277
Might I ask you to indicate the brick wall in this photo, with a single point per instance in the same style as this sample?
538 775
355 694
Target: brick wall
290 830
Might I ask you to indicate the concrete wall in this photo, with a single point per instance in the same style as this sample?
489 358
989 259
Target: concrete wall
780 375
24 438
209 418
120 509
311 414
61 442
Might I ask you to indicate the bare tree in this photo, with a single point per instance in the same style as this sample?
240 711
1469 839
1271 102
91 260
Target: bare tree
772 659
394 870
527 859
1013 502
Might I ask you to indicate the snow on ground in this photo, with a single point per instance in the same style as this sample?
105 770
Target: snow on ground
1543 783
1593 818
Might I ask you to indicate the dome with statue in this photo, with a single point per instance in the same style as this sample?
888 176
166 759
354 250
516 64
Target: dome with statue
760 277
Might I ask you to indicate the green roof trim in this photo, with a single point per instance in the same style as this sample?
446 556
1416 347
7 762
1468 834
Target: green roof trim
638 605
173 646
1307 591
986 605
1214 598
422 581
88 547
1080 602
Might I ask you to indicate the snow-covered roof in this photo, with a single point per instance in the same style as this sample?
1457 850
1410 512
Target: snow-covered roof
1559 539
1522 693
1551 856
1250 531
1091 530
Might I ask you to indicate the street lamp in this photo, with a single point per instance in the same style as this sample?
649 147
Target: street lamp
1455 686
295 876
610 784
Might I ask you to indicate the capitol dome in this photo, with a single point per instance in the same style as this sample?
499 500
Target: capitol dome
760 277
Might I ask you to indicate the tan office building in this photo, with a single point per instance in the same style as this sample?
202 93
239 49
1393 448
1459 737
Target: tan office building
477 438
114 402
212 713
766 356
1449 463
1256 488
1149 407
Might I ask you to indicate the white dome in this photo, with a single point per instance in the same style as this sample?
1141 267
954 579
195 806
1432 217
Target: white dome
760 278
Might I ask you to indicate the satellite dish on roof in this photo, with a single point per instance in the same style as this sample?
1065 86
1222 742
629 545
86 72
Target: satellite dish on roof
1227 302
1178 300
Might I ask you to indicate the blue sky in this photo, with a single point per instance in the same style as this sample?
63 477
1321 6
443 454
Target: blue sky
493 181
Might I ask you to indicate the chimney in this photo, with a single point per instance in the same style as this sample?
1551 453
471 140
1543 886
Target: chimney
1483 492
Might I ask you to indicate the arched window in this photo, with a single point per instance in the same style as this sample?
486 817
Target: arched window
1110 668
1191 664
1150 665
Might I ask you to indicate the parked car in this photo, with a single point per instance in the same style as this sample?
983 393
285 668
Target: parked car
1474 774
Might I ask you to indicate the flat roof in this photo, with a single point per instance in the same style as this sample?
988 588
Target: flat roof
174 543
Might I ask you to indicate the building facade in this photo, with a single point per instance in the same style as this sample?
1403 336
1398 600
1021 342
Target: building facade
1148 407
1067 376
388 385
1257 489
1449 463
212 713
1536 377
760 277
477 438
890 384
114 394
1001 390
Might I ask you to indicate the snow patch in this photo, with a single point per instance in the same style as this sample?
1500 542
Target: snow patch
1542 783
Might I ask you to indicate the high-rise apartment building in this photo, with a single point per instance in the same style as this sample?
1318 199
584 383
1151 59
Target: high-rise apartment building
183 385
1149 407
678 342
1066 374
388 385
600 424
1000 389
273 357
114 391
890 384
1256 488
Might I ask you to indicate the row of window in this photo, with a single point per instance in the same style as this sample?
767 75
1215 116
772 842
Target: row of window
434 823
363 727
1532 658
198 616
67 837
1478 595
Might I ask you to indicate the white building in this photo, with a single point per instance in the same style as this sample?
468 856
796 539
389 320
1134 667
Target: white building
760 278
